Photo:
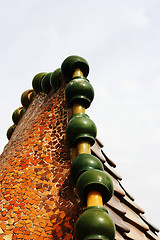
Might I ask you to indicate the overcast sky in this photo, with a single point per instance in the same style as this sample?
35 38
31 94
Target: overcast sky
121 42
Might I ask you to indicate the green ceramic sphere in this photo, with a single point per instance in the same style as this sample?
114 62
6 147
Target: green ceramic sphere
56 79
79 90
70 64
17 114
45 83
95 180
80 127
95 223
23 110
83 163
10 131
36 82
24 98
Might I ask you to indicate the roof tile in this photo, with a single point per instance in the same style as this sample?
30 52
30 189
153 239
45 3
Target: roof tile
132 204
99 142
118 236
108 159
112 171
118 220
127 193
115 203
117 188
96 150
134 218
151 235
135 233
151 226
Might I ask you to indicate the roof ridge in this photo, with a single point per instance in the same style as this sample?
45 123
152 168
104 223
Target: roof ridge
42 82
127 215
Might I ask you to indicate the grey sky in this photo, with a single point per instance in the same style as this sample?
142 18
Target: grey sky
120 40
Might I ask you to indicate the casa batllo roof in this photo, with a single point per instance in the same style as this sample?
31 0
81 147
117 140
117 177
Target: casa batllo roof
38 197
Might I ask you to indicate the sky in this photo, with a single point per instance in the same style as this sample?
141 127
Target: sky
120 39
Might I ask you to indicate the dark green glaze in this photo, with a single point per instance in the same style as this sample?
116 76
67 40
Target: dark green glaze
24 98
81 127
95 223
23 110
17 114
95 180
70 64
45 83
83 163
10 131
79 90
36 82
56 79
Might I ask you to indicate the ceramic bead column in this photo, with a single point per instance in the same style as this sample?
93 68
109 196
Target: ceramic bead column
94 187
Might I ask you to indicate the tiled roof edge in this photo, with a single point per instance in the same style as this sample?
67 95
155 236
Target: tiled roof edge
127 200
42 82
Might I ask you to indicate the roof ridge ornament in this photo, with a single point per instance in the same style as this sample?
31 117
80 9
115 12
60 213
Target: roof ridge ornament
93 185
42 82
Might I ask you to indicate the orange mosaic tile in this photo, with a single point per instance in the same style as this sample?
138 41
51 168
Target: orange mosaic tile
37 200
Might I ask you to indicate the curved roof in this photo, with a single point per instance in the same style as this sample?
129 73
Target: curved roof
36 184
